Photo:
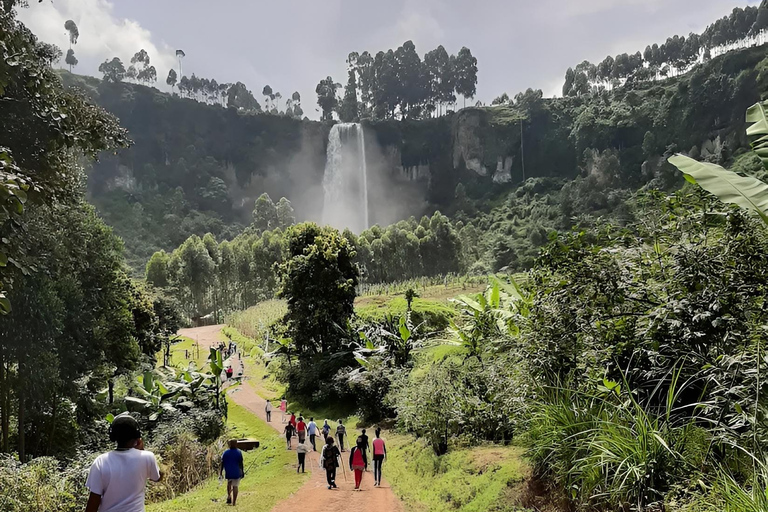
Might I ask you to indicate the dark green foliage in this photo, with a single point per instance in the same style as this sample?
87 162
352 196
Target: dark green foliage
318 280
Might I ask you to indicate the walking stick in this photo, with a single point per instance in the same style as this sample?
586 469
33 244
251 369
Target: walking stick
344 471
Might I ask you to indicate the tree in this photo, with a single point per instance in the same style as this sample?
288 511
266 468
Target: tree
113 70
570 79
265 217
172 78
74 33
327 99
239 97
285 213
70 59
268 97
466 74
157 270
148 75
349 111
319 280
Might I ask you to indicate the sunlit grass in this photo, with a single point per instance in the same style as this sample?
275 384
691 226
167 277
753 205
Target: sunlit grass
270 479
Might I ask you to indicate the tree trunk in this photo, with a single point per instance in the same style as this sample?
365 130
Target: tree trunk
52 430
21 418
111 392
4 412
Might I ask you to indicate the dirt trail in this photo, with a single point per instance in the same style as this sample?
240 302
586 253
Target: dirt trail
314 495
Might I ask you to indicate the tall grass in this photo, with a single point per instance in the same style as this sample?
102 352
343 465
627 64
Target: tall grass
257 322
607 451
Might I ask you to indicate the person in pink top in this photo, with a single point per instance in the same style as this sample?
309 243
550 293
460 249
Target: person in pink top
379 454
358 462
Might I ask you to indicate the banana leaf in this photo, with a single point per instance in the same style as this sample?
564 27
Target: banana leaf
744 191
757 131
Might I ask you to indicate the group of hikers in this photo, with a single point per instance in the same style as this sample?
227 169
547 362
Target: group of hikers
330 455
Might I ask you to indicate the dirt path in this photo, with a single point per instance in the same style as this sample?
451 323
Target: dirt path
314 495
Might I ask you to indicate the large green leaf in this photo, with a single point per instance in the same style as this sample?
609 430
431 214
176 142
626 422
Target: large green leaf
757 131
729 187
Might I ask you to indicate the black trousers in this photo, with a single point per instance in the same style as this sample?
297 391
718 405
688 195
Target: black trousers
330 475
302 457
269 415
312 441
341 441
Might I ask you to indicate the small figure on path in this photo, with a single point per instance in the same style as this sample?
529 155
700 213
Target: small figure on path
379 455
341 430
229 372
117 479
268 410
301 430
312 430
288 435
292 421
366 446
232 467
301 450
329 459
283 408
326 430
358 462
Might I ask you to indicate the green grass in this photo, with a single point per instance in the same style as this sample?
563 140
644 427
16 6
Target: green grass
481 479
270 479
177 354
255 322
435 313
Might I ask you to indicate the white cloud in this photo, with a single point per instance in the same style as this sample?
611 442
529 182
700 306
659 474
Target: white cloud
102 34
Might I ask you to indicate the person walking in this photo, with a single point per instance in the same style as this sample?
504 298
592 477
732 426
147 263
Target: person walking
301 429
268 410
379 455
329 458
232 467
312 430
358 462
288 435
366 446
326 430
341 430
301 451
292 421
117 479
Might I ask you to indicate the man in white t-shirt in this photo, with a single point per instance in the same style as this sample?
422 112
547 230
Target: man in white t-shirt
117 479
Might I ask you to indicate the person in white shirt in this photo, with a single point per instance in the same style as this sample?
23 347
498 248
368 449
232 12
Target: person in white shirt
117 479
268 410
301 450
312 430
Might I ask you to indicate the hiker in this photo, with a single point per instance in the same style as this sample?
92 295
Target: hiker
292 421
379 454
117 479
229 372
329 458
312 430
366 446
268 410
232 467
340 431
301 450
358 462
326 430
301 430
283 408
288 435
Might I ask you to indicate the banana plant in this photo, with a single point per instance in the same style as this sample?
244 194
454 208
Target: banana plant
155 397
732 188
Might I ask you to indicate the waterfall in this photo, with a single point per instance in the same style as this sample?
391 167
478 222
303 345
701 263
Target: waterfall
346 179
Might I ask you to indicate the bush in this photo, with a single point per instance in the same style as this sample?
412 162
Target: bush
43 485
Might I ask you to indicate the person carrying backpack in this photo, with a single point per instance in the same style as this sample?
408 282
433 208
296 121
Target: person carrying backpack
326 430
341 430
288 435
329 459
301 451
358 462
301 430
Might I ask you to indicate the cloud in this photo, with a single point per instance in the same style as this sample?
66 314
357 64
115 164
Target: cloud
102 34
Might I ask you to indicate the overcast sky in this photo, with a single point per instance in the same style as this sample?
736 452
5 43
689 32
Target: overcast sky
291 45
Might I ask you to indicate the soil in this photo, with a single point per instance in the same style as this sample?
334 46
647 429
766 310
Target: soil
315 494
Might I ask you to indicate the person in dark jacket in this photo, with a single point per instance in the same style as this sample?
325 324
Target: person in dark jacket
330 457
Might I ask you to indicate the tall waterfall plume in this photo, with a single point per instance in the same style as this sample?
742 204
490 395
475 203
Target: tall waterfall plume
346 179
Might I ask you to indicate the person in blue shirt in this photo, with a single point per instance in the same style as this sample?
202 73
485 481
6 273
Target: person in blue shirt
232 467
